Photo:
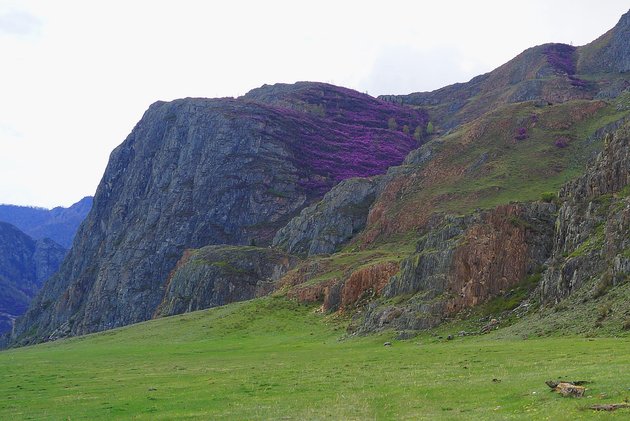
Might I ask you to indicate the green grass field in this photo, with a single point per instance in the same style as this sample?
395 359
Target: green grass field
274 359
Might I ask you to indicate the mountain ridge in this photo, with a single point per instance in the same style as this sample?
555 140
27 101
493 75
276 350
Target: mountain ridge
59 224
25 264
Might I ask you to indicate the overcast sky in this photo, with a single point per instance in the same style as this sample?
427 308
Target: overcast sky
76 76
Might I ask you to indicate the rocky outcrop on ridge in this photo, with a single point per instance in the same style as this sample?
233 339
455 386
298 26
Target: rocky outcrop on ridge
591 241
608 53
549 73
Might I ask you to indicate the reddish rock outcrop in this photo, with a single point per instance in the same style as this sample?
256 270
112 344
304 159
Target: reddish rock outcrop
464 261
369 280
492 259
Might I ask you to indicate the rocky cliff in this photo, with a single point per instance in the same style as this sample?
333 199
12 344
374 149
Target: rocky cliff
609 53
591 242
196 172
24 266
462 261
217 275
322 227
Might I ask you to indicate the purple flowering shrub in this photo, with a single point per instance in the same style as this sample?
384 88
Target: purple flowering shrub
521 133
561 57
579 83
561 142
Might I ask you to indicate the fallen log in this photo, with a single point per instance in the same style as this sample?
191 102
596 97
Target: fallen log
609 406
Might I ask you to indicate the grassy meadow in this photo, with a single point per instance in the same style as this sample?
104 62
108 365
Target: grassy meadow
272 358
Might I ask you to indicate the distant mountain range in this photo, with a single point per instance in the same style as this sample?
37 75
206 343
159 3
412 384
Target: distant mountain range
59 224
25 264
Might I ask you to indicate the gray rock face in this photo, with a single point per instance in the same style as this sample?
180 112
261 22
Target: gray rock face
192 172
591 240
217 275
462 261
322 227
610 52
24 266
196 172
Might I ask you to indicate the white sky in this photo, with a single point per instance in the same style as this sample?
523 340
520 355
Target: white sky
76 76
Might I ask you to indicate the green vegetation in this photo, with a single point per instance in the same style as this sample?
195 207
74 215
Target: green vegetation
482 165
272 358
548 196
391 123
417 134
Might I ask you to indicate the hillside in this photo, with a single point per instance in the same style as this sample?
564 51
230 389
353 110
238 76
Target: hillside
59 224
25 264
198 172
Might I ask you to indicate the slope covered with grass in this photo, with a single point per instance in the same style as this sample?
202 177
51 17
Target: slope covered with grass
272 358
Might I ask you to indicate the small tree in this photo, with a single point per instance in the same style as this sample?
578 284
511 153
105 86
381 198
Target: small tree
417 134
429 128
406 129
391 123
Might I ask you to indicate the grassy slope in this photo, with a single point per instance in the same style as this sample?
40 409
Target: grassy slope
271 358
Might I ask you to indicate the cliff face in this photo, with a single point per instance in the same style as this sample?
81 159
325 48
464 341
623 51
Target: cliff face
608 53
591 242
461 262
196 172
322 227
24 266
217 275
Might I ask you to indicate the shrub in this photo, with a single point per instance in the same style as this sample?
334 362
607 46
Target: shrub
548 196
561 142
603 311
417 134
603 285
521 133
406 129
391 123
430 128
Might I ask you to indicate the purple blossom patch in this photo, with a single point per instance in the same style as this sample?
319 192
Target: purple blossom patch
521 133
561 57
350 138
561 142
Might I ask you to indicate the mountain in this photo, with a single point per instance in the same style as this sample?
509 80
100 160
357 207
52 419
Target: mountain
473 215
59 224
548 74
198 172
331 196
24 266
